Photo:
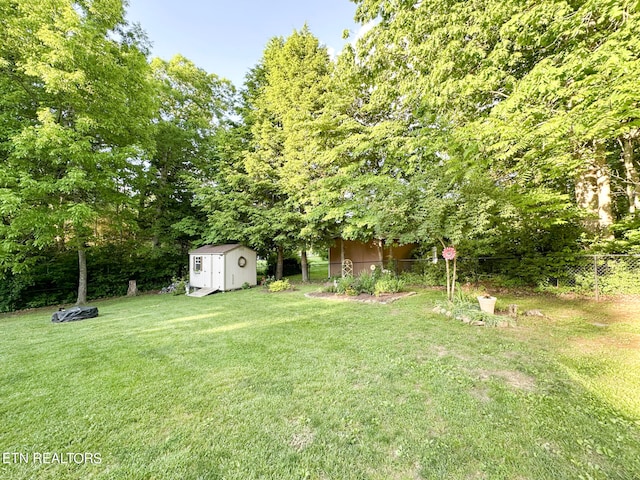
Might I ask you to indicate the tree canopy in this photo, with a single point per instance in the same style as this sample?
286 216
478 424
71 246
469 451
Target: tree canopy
502 127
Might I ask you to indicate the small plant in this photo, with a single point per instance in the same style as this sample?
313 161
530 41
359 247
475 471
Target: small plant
345 284
331 286
180 286
389 284
466 309
366 282
280 286
267 280
246 286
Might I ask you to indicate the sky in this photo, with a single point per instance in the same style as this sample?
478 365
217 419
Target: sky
228 37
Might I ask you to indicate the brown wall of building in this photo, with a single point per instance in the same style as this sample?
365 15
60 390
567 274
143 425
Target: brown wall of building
363 255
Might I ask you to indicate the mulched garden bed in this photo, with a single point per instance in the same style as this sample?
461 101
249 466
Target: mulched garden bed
383 298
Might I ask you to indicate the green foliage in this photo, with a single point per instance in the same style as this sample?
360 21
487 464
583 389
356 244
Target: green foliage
615 277
529 124
66 163
290 265
389 284
280 286
181 286
192 105
425 273
347 285
467 310
257 197
365 283
374 283
52 280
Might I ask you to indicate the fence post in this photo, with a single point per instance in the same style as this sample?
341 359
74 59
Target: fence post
595 278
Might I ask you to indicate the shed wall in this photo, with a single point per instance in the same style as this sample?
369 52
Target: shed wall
363 255
201 279
236 276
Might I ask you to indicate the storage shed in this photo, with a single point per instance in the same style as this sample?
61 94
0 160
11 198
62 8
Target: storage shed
218 268
360 256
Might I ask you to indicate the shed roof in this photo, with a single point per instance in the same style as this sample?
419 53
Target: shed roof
216 248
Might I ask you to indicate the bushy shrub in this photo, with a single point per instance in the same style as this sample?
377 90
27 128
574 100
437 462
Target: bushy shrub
53 277
373 283
614 277
389 284
268 280
425 273
280 286
346 285
181 286
366 282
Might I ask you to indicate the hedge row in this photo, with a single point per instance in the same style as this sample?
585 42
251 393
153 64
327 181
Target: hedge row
54 278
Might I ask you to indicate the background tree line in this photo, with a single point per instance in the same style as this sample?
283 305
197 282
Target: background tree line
502 127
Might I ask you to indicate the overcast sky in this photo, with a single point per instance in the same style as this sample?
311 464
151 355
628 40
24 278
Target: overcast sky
227 37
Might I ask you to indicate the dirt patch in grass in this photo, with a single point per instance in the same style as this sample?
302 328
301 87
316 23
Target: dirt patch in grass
513 378
383 298
301 440
481 394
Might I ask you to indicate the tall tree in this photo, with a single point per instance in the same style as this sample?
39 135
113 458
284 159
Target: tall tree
513 90
193 106
264 193
85 75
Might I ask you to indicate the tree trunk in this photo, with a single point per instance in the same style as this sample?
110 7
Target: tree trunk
380 244
305 266
280 263
341 257
593 190
82 275
603 183
631 172
132 291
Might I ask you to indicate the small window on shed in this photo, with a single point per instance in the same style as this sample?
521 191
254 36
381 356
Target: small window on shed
197 264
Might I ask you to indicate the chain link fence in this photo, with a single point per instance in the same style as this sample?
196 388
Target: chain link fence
595 275
588 274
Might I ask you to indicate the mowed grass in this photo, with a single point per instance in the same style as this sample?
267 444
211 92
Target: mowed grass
252 385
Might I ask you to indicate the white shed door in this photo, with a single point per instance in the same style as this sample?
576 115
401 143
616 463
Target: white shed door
217 272
204 278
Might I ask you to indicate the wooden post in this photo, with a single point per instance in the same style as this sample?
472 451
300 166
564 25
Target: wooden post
595 278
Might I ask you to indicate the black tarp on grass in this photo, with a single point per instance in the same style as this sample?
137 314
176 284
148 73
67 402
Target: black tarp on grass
74 313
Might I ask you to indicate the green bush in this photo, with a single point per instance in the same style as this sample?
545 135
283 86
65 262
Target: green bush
614 278
280 286
181 286
53 276
426 273
290 265
389 284
347 285
373 283
366 282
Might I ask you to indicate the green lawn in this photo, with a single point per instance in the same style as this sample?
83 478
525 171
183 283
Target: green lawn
247 385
